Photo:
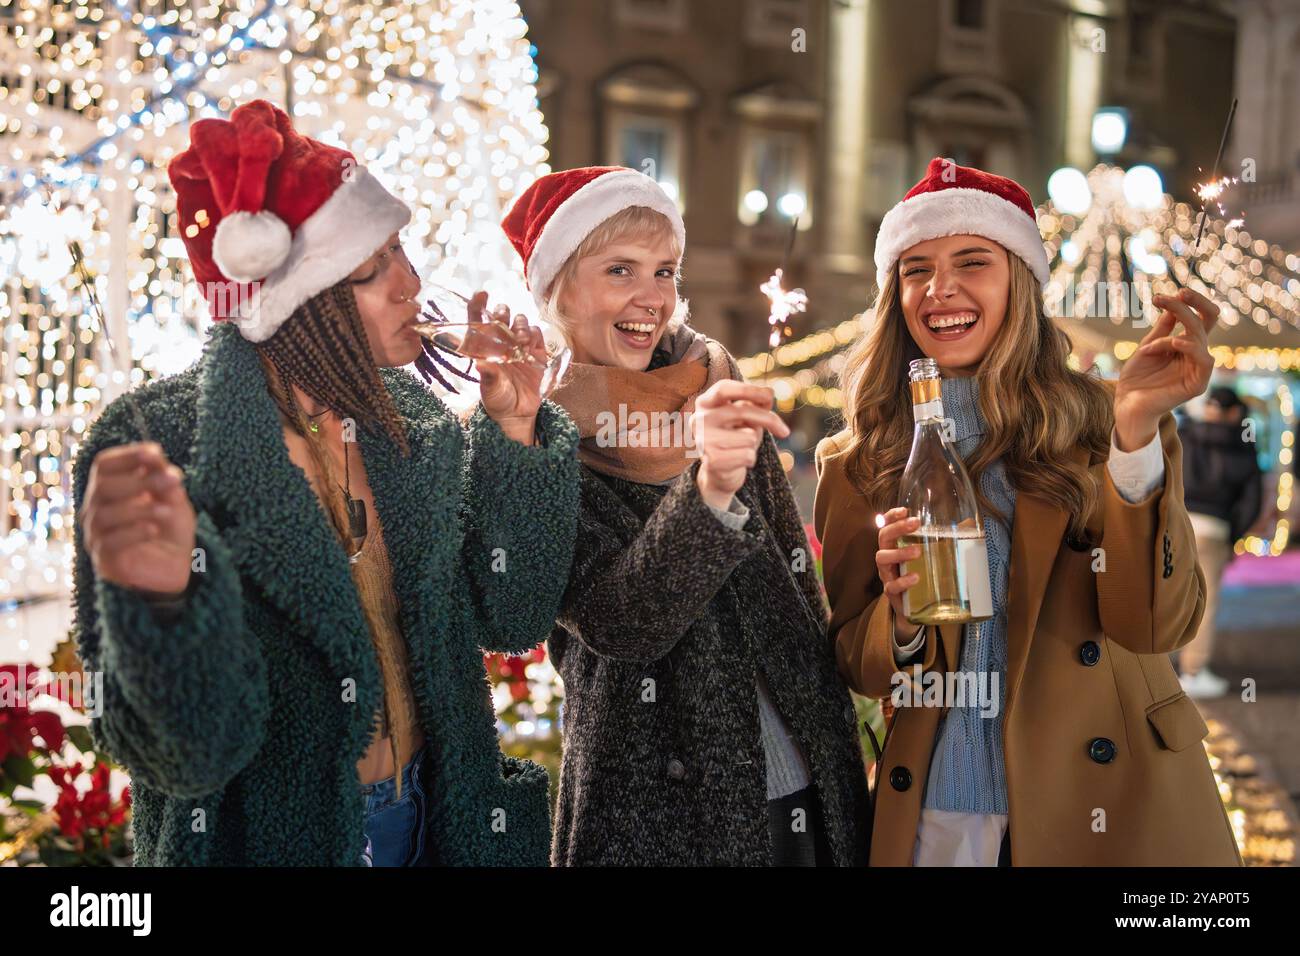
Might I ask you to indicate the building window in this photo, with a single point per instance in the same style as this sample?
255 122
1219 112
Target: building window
651 144
774 181
1141 79
965 154
969 14
968 37
667 15
1140 26
771 22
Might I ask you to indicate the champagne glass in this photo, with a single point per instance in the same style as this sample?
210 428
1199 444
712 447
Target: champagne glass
490 340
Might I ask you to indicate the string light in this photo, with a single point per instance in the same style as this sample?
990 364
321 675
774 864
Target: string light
1250 279
438 100
1257 807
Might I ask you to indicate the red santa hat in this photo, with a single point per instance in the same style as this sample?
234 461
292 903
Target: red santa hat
270 218
952 200
550 219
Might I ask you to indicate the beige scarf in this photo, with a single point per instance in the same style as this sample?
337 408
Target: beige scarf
636 425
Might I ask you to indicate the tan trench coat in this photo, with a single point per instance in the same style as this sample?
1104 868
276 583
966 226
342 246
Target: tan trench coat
1103 753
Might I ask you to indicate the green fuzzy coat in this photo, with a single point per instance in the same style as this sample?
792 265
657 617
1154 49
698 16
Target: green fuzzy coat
238 721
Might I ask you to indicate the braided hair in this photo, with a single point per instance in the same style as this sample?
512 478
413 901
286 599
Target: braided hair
323 349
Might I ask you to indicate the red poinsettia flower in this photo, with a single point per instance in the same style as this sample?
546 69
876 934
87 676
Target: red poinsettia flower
6 738
20 727
49 728
94 810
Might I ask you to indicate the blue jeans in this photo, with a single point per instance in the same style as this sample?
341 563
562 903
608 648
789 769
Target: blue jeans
395 828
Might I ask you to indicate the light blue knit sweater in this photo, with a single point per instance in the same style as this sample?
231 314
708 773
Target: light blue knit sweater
967 773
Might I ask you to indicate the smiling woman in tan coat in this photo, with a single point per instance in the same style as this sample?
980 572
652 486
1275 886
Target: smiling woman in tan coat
1084 751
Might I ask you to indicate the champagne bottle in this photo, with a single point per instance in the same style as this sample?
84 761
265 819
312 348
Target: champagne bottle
953 568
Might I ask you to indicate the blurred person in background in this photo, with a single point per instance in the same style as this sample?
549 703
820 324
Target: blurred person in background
1222 488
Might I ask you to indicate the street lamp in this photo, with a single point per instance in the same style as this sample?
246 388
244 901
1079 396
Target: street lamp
1143 188
1109 130
1069 192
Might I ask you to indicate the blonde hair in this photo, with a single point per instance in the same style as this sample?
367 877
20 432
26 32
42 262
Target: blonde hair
1036 408
635 223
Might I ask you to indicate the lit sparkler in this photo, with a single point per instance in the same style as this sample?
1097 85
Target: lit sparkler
1211 191
87 286
784 302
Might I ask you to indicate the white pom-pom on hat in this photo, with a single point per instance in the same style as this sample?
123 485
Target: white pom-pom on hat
250 245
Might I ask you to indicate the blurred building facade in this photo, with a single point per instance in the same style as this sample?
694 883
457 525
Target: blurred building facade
754 111
1266 133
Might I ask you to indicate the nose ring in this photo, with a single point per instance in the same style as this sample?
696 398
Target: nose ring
652 311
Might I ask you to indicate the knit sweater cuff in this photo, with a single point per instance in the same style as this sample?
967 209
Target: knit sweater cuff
734 517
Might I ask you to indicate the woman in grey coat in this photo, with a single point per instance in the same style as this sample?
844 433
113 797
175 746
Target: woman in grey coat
705 722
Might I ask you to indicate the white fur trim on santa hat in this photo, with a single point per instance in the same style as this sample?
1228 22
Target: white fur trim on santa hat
957 212
579 215
330 243
249 245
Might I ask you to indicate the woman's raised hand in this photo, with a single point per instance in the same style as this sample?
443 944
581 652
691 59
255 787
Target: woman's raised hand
1166 370
888 559
728 425
511 391
137 522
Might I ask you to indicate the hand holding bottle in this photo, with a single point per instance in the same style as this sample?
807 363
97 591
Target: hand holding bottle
944 544
889 559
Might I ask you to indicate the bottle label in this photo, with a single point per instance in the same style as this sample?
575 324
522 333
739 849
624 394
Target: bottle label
973 559
927 410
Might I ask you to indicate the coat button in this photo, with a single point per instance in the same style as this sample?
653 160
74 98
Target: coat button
900 778
1101 750
1089 653
676 769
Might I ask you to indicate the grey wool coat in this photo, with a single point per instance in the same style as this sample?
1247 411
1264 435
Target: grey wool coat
667 618
233 720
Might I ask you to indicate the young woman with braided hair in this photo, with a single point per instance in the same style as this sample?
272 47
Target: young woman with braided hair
290 588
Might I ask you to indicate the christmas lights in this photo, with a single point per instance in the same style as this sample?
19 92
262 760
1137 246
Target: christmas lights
438 100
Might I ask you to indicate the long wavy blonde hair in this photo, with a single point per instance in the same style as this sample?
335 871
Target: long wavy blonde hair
1036 408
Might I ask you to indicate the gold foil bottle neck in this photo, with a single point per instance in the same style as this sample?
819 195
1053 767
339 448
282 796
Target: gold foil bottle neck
926 390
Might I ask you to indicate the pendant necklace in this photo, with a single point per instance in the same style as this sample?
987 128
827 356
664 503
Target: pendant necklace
311 421
356 507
